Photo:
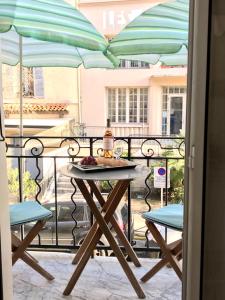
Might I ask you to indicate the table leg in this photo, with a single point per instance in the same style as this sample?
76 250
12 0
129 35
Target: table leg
115 225
104 229
92 230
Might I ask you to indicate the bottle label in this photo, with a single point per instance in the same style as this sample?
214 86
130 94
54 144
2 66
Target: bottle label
107 143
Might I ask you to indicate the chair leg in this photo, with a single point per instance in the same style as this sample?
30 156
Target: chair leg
154 270
36 267
26 242
18 249
170 252
33 258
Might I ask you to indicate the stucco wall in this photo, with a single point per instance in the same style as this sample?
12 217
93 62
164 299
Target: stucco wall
94 83
109 17
60 85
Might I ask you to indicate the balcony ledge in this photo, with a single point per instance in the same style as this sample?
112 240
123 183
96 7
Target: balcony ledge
103 278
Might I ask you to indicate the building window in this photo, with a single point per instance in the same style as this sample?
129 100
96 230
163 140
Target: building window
121 105
128 105
33 85
112 104
173 110
28 82
38 83
133 64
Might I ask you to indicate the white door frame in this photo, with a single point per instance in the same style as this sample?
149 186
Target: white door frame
5 234
195 129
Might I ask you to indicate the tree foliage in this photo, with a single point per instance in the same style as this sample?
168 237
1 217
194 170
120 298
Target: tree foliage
29 186
177 181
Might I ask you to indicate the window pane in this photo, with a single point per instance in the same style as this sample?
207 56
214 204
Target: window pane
112 104
135 64
38 82
121 105
132 105
122 63
144 64
164 104
144 105
28 82
164 90
176 105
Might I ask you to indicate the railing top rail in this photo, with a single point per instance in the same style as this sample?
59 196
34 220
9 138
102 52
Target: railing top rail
99 137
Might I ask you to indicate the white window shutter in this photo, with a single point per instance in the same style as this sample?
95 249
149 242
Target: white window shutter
38 83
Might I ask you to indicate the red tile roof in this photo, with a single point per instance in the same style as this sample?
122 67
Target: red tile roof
14 108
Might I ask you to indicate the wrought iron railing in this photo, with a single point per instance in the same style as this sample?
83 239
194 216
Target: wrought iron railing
34 172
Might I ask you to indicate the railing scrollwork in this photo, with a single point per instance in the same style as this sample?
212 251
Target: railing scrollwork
43 157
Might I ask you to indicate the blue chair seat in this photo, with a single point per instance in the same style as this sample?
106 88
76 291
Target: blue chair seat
26 212
169 216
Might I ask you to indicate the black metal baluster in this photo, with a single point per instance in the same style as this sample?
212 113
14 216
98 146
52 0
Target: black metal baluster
36 180
38 192
129 197
72 181
20 178
166 196
149 191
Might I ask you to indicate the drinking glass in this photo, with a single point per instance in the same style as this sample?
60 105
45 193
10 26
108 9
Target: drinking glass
118 151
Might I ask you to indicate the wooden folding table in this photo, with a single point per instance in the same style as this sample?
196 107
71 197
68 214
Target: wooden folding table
86 182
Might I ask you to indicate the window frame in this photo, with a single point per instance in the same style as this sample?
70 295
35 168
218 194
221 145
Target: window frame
33 82
141 92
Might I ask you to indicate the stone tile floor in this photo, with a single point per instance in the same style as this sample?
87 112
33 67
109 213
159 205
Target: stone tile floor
102 279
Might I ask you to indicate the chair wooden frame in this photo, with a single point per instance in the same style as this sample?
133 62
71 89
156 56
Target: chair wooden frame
19 250
171 253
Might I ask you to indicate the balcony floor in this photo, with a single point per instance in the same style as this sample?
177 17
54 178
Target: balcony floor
103 278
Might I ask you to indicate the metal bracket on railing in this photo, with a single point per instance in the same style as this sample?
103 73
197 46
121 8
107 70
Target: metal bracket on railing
2 138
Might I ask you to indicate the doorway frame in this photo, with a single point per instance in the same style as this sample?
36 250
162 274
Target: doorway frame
184 101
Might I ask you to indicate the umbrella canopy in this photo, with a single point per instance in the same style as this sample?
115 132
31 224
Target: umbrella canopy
36 53
54 34
159 31
175 59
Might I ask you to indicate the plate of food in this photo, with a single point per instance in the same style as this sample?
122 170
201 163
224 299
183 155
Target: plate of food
92 164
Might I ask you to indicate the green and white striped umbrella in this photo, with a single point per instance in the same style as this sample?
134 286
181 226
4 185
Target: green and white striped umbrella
36 53
160 31
175 59
53 34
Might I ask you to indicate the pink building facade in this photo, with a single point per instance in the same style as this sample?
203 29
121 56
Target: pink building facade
138 98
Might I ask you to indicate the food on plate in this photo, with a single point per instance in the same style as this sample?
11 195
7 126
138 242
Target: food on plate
111 162
88 161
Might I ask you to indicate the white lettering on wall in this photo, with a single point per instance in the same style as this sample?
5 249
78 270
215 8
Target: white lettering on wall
112 19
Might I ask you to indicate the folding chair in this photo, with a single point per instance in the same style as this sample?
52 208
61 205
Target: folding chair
170 216
23 213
